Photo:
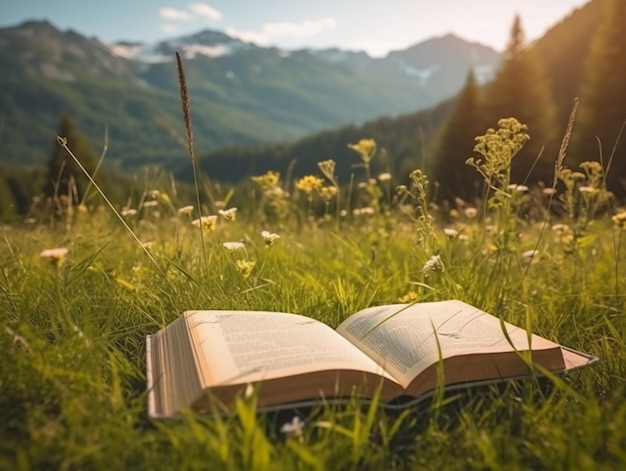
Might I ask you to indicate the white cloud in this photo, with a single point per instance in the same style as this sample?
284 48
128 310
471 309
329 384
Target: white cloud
206 11
249 36
169 28
195 11
298 30
284 29
174 14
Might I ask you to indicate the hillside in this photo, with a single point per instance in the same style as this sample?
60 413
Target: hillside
407 139
241 94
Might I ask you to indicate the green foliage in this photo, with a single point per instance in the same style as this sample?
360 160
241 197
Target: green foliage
456 136
520 90
65 178
602 102
73 323
560 51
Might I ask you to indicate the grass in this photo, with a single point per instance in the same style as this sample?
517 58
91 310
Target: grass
73 327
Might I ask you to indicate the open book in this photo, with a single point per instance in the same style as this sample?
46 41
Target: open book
400 348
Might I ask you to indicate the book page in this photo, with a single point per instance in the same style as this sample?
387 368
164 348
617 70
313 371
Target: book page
241 347
405 339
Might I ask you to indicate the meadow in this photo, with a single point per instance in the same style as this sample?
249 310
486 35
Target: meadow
82 286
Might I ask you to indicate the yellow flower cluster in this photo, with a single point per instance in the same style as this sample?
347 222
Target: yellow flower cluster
366 148
268 180
327 192
309 184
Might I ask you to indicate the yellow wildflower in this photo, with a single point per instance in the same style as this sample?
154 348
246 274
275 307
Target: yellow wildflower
366 148
245 267
208 223
309 183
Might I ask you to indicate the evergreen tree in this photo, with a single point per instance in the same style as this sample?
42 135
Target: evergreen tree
455 145
602 109
64 175
8 207
520 90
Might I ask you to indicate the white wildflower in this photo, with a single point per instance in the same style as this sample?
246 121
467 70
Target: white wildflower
234 246
228 214
185 210
449 232
528 256
434 263
294 428
269 237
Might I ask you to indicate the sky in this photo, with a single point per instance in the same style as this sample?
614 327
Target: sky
374 26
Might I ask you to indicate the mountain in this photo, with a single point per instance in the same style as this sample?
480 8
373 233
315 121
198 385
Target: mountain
241 94
406 139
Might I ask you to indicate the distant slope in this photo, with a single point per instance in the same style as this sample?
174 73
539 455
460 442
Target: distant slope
241 94
563 51
407 138
404 140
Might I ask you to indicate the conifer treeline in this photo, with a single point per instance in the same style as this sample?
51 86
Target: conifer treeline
537 84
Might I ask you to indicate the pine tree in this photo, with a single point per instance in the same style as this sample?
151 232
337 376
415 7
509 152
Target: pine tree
602 109
455 145
65 178
8 206
520 90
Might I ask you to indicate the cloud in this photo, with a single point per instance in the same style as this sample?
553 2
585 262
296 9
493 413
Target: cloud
169 28
206 11
174 15
284 29
298 30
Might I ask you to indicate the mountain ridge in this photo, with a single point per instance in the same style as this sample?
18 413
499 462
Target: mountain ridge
240 93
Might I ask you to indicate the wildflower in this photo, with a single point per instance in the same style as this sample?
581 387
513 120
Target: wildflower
366 148
147 245
619 219
362 185
268 180
293 428
328 169
228 214
518 188
185 210
366 211
56 256
343 213
54 253
245 267
150 204
154 193
560 228
434 263
548 191
587 189
82 208
127 212
449 232
409 297
234 246
269 237
470 212
384 177
220 204
327 193
309 183
529 255
207 223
